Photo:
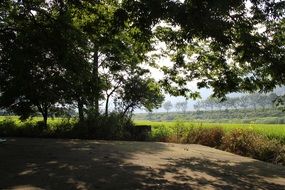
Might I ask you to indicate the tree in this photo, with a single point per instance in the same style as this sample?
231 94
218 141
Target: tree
197 106
31 72
280 102
181 106
184 106
221 45
138 92
178 106
74 44
77 52
116 46
167 106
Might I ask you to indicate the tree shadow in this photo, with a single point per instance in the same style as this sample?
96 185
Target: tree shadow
223 175
80 164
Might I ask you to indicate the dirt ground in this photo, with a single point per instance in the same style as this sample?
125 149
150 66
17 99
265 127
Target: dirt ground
80 164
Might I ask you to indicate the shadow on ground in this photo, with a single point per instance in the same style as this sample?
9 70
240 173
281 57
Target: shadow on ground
77 164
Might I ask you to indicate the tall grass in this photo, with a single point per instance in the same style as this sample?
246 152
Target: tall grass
272 131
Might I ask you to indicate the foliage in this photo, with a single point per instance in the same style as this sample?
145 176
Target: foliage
139 93
63 53
228 46
161 133
268 115
242 141
280 102
113 126
253 101
60 53
272 131
167 106
249 143
205 136
181 106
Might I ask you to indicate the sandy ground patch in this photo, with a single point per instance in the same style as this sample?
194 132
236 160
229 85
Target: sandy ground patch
86 164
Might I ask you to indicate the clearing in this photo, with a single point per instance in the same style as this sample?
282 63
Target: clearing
88 164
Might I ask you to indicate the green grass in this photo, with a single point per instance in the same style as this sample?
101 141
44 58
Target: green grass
270 130
51 121
166 128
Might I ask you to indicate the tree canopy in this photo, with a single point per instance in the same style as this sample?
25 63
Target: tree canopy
62 52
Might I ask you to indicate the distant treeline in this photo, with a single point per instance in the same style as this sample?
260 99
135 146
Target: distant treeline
260 115
253 101
257 108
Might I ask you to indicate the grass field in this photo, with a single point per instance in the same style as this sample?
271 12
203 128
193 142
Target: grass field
16 119
276 131
269 130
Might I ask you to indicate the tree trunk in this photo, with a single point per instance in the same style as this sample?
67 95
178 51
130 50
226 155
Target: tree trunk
108 99
127 109
43 109
45 119
45 114
80 111
96 80
107 106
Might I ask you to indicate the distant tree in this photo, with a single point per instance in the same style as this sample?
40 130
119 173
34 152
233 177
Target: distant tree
184 106
150 114
243 102
272 97
167 106
197 106
181 106
178 106
280 102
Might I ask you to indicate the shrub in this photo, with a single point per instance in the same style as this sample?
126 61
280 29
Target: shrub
161 133
140 132
29 129
205 136
180 132
238 141
265 149
63 129
113 126
281 156
7 127
250 143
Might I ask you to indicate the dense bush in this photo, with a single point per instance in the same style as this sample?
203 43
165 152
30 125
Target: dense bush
205 136
249 143
8 127
115 126
161 133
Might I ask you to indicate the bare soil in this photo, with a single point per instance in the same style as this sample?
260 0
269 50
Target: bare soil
87 164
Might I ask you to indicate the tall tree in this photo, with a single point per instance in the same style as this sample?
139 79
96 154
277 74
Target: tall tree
29 57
